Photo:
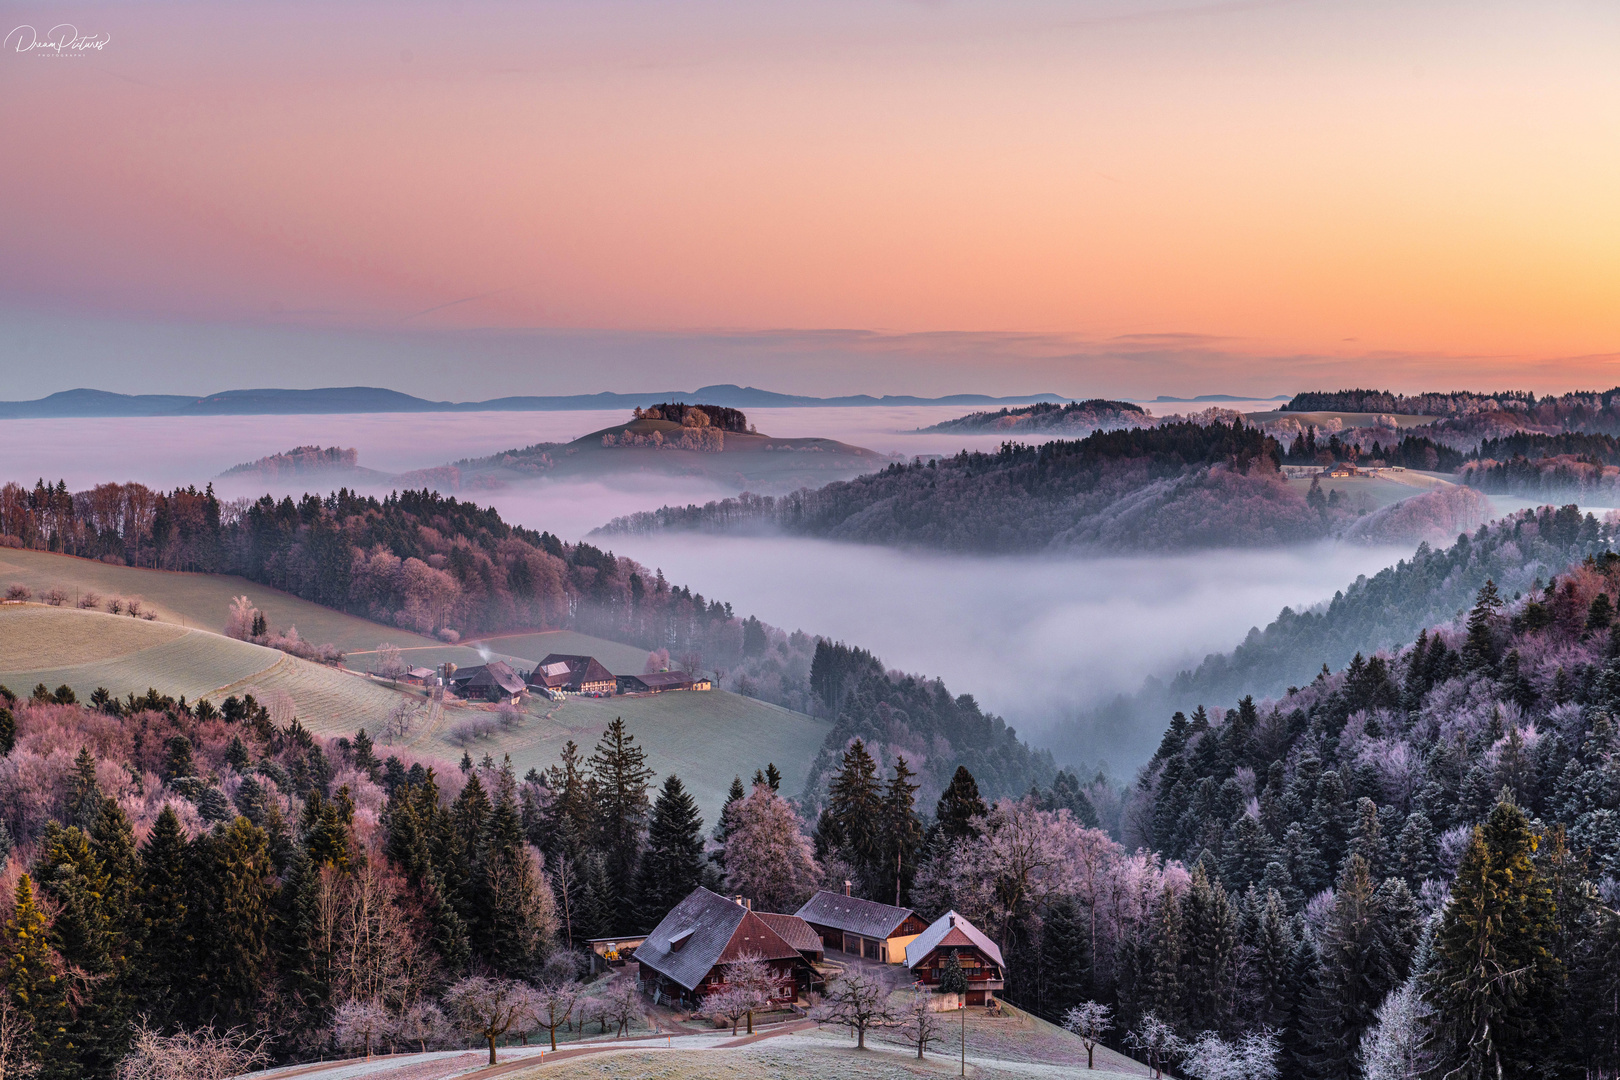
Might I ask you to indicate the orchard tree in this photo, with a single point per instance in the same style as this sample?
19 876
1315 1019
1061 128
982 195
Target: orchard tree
357 1022
859 1000
1089 1022
920 1025
487 1008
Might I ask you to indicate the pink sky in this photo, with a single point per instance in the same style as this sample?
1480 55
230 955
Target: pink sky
1119 196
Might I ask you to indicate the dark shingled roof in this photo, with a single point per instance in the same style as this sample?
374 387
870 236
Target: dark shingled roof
868 918
580 670
793 930
714 931
499 674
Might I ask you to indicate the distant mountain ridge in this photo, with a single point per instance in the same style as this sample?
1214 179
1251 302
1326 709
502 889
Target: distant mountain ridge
369 399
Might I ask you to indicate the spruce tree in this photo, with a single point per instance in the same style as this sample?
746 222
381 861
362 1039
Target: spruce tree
1208 938
8 731
619 769
84 793
855 802
902 833
230 883
673 863
959 804
1065 957
510 930
1495 983
1480 651
33 980
1358 968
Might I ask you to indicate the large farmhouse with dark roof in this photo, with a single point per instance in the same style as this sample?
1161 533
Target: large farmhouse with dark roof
684 958
951 935
862 927
579 674
495 681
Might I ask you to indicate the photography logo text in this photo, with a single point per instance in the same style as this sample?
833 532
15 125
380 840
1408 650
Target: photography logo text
63 39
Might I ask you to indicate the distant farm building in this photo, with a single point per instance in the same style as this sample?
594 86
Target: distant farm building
864 928
659 681
684 958
495 681
418 676
950 935
576 674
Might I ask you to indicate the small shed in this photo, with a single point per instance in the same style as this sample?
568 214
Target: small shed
611 952
656 682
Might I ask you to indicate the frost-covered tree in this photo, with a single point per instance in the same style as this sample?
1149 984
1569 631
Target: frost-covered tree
768 858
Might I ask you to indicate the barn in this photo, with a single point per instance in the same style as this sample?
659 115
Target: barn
576 674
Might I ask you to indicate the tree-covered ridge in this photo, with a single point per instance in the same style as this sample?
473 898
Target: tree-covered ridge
1469 782
1455 403
1181 485
1089 415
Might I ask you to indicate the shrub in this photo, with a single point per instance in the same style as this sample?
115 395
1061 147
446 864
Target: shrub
19 591
89 601
449 635
54 596
115 605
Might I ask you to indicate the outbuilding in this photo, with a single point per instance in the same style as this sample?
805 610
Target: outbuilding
863 928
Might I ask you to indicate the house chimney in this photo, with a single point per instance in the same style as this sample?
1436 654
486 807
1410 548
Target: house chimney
750 903
738 900
846 886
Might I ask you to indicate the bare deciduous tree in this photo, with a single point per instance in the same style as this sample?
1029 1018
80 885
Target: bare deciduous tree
487 1008
552 1004
421 1022
357 1022
1089 1021
89 601
1156 1040
390 662
401 719
622 1005
921 1025
203 1054
730 1004
859 1000
16 1039
750 973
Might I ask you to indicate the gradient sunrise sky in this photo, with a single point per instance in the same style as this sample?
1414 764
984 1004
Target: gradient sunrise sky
1100 196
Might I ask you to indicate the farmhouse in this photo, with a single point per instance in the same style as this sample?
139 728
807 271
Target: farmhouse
579 674
951 935
862 927
658 681
684 958
797 933
495 681
418 676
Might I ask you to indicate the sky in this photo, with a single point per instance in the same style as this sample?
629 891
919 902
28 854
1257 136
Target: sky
1120 197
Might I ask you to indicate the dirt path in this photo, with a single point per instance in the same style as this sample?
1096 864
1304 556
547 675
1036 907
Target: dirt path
529 1061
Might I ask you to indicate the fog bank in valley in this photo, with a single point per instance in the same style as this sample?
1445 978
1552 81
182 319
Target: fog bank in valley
1033 639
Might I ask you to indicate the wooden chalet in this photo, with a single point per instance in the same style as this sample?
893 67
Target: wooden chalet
864 928
684 958
494 681
658 681
576 674
952 935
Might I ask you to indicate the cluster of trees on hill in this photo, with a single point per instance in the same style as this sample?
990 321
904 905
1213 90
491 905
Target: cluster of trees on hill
1411 452
1518 552
1090 415
1171 486
697 416
1455 403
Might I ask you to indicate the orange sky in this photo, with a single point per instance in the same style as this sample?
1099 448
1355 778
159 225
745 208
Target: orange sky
1355 180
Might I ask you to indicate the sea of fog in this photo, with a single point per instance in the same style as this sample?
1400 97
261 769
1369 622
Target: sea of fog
1032 638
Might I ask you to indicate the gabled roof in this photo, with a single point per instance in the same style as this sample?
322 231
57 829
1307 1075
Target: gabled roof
499 674
420 673
564 669
948 930
662 680
706 929
853 915
793 930
467 674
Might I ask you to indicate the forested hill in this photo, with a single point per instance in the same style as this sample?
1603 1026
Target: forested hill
1075 417
1454 403
436 565
1387 610
1479 765
1175 486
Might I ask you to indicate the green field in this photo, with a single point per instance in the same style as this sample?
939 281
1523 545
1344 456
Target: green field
196 600
705 737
